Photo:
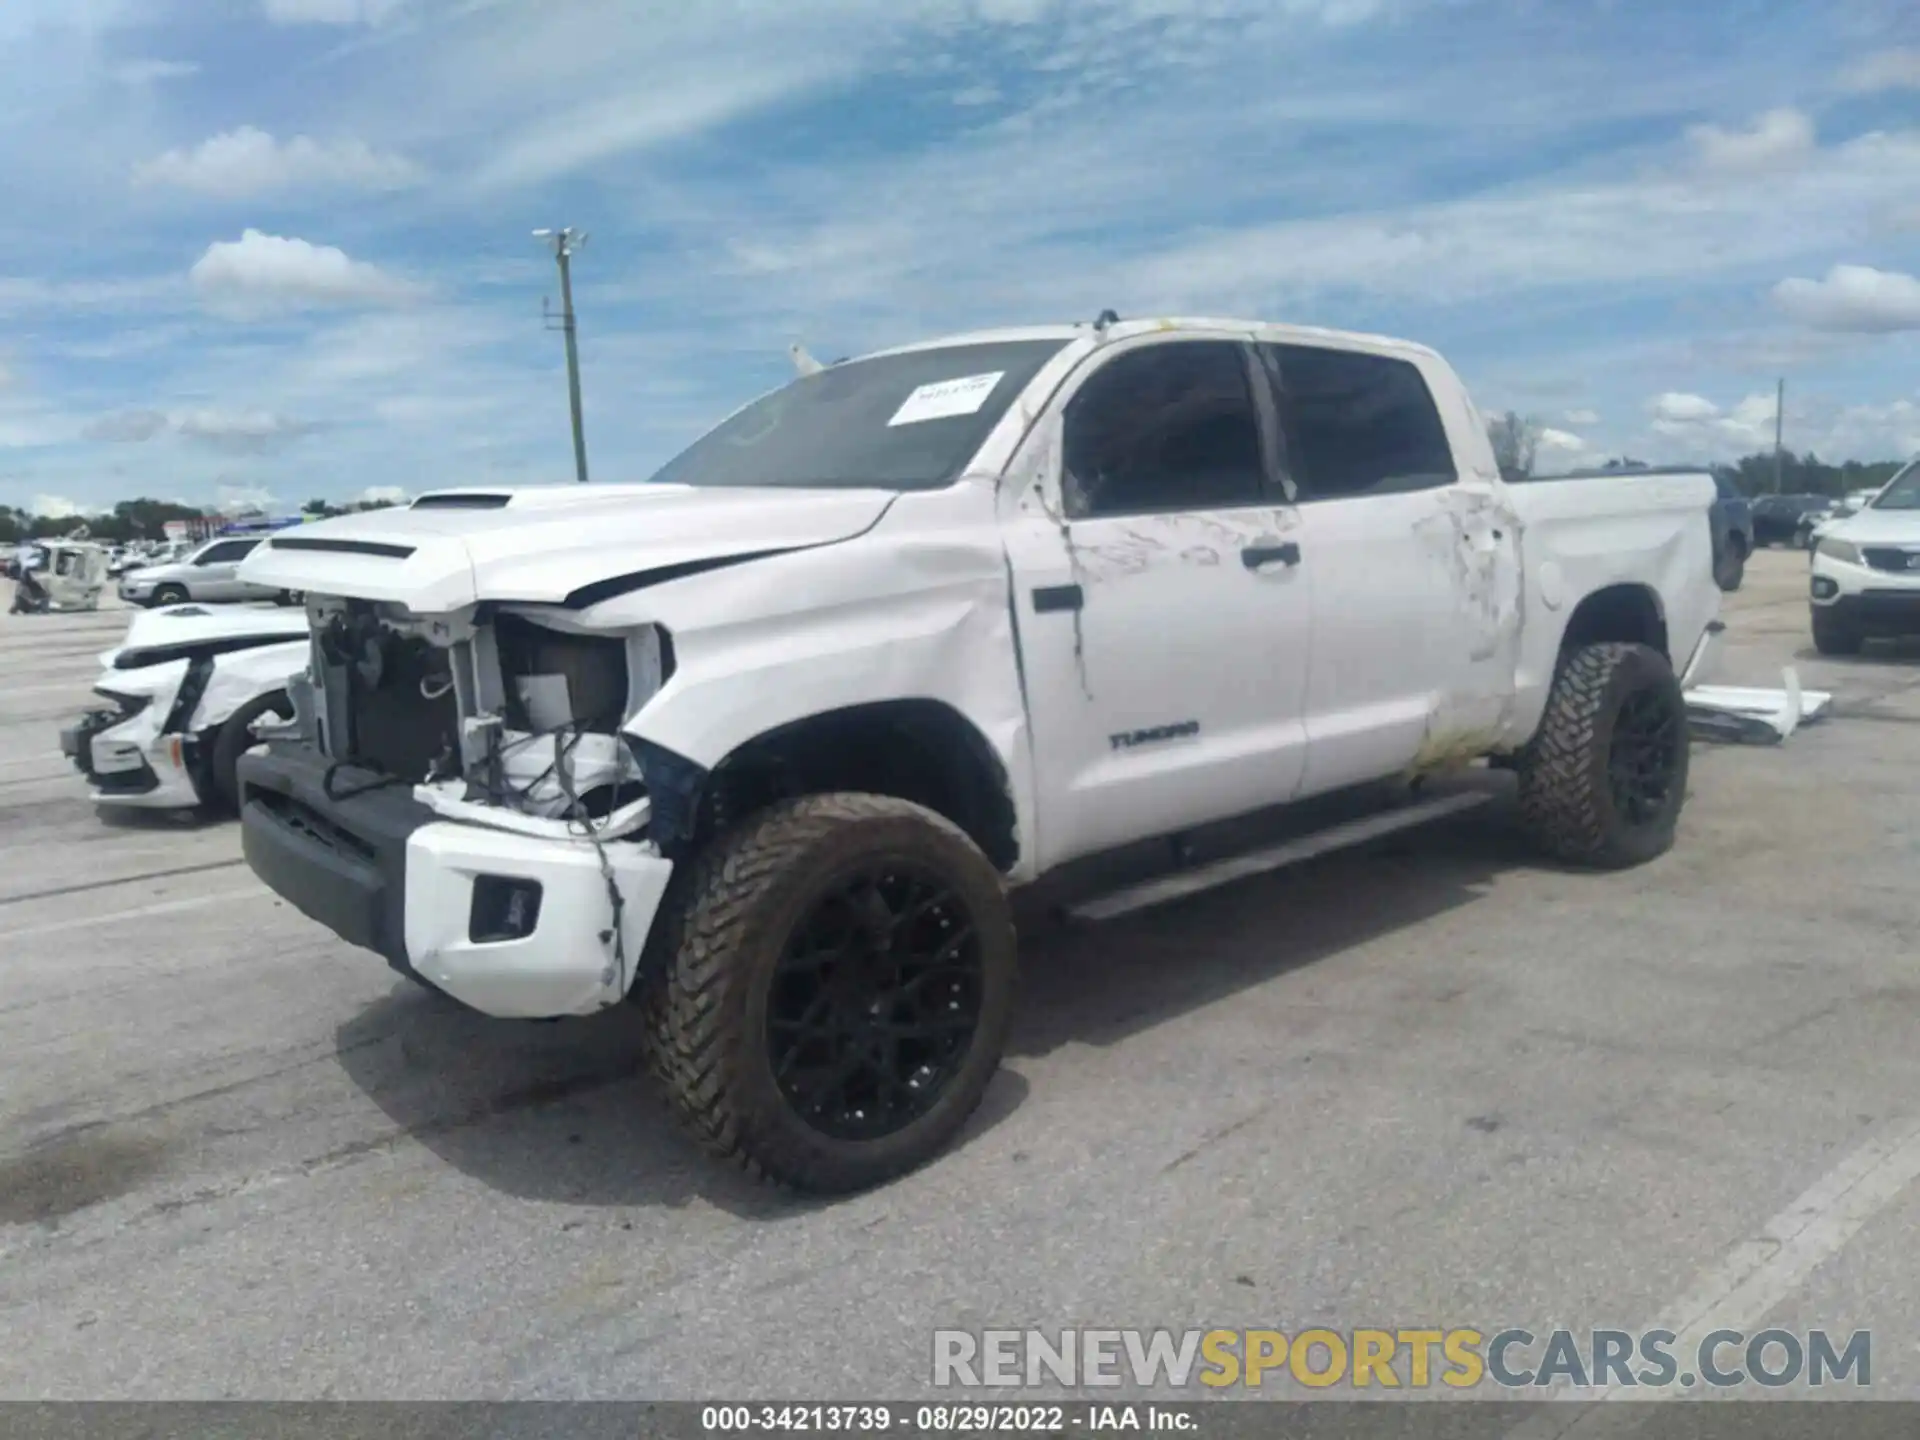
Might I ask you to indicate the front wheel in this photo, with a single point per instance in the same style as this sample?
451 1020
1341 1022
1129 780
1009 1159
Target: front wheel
1603 780
165 595
839 979
234 739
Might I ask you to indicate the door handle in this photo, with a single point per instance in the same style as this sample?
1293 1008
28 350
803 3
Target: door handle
1254 556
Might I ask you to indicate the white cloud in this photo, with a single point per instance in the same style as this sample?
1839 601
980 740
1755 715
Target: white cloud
1553 439
249 161
58 507
236 499
151 72
382 495
242 431
1888 70
260 271
329 12
1581 417
1703 425
252 432
639 118
1892 429
1066 199
1777 141
127 427
1853 297
1679 408
1750 422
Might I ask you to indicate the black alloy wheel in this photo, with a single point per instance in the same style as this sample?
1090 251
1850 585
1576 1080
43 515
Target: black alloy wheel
1648 734
875 1001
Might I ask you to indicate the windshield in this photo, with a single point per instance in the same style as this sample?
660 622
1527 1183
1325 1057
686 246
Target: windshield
1903 491
896 422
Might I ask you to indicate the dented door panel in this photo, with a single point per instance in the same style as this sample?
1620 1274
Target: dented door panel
1172 692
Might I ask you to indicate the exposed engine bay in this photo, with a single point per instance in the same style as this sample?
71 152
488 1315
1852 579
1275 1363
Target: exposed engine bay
498 708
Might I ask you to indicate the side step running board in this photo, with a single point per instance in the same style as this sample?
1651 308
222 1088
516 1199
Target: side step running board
1273 857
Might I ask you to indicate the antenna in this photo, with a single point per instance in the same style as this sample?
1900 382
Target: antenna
566 242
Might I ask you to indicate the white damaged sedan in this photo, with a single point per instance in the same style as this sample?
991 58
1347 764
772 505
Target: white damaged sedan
183 692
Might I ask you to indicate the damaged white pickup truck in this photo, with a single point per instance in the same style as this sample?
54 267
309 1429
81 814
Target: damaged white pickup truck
763 744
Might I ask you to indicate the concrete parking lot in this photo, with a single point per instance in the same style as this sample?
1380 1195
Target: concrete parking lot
1432 1083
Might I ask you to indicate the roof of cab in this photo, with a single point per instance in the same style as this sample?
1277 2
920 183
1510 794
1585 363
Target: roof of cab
1122 329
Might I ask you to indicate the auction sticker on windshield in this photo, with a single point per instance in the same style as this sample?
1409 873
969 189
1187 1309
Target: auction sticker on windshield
946 398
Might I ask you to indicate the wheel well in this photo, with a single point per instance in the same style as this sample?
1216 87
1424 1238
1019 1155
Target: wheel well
1629 614
919 750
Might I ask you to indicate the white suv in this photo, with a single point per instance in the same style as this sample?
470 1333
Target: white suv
1866 570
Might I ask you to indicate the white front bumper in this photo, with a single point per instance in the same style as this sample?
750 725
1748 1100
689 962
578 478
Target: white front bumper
134 746
568 965
1849 579
126 747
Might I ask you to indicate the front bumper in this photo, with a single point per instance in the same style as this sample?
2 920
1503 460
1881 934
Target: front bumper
383 872
130 762
1871 600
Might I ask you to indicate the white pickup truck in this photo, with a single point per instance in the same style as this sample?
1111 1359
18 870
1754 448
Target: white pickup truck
763 744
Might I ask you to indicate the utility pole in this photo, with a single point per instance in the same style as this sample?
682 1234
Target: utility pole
565 241
1779 429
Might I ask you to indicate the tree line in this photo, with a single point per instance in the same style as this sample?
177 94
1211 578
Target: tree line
142 519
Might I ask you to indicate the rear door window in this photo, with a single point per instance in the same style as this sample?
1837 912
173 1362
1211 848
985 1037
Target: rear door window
1358 424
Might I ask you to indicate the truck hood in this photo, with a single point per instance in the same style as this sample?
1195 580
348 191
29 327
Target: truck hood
180 631
551 544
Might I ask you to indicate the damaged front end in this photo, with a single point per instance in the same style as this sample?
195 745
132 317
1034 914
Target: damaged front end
499 717
140 749
456 793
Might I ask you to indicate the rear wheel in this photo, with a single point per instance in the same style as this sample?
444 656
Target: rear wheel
1730 568
839 979
1832 635
1603 780
234 739
164 595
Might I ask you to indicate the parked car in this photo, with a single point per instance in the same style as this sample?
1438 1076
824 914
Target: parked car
184 690
1865 581
207 572
1732 533
1852 503
1787 519
761 745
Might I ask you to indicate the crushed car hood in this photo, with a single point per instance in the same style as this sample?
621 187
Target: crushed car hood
550 544
179 631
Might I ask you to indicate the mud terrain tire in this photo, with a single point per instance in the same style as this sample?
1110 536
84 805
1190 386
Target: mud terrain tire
858 936
1603 781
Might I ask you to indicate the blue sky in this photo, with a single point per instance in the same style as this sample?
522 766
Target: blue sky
262 250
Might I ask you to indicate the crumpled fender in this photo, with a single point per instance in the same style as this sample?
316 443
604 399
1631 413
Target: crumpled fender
242 676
